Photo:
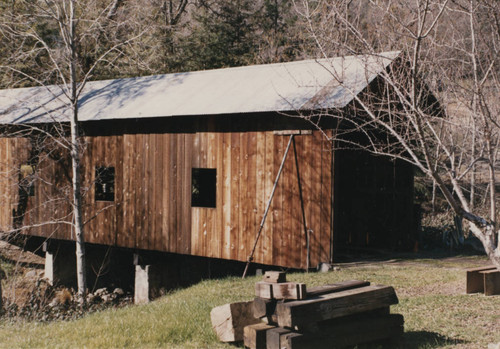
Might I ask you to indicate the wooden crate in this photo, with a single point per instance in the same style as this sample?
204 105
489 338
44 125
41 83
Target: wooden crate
476 280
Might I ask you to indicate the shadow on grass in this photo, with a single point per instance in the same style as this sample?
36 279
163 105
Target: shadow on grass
425 339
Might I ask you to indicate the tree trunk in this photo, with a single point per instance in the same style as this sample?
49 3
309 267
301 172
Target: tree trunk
75 164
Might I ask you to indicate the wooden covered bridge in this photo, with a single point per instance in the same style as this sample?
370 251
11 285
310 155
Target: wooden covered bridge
186 163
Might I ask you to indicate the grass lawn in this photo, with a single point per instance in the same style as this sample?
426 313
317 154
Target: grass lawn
438 313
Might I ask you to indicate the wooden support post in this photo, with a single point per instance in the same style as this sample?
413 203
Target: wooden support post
255 335
60 264
475 280
491 280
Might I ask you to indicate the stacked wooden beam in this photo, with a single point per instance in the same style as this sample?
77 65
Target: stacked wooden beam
483 279
330 316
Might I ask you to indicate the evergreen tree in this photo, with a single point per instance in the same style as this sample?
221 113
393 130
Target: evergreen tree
223 35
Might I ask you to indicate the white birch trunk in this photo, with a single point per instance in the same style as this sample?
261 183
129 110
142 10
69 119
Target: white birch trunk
75 165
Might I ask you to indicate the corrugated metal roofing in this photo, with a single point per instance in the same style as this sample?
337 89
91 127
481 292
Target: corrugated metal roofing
302 85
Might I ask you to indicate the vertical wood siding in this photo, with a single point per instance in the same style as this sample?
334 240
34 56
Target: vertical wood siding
152 208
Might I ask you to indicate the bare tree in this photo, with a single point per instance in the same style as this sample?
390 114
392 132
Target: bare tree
62 43
450 47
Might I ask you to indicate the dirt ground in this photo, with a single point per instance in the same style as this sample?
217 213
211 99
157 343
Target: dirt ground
24 269
16 254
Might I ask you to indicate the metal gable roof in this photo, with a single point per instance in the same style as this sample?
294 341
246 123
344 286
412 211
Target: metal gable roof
302 85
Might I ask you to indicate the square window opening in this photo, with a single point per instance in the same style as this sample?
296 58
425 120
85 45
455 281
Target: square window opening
203 187
104 183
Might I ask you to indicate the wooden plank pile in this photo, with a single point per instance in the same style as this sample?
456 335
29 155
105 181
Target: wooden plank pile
288 315
483 279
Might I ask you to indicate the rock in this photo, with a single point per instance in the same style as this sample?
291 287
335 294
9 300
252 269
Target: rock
324 267
92 299
101 291
63 297
118 292
32 274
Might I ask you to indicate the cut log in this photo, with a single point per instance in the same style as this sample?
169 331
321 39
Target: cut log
491 280
229 320
475 280
255 335
274 276
284 290
333 305
341 286
348 333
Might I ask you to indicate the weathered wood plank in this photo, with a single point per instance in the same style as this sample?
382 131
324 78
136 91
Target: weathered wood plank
284 290
251 223
229 320
263 307
323 246
186 195
333 305
273 337
274 276
165 191
306 163
269 184
119 178
289 182
236 175
213 236
491 282
475 280
152 198
129 190
277 204
338 287
142 201
157 189
182 187
347 333
260 158
224 246
255 335
195 212
229 199
172 193
241 141
266 307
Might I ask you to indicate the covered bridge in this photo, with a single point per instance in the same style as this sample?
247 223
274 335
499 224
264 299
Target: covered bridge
185 163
